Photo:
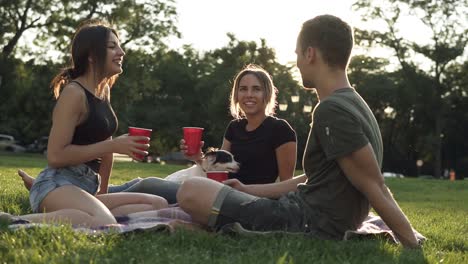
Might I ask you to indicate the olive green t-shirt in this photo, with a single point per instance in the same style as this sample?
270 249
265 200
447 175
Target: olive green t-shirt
341 124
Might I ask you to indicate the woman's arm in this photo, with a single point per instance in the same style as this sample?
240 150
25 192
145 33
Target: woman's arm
286 159
105 170
362 170
226 145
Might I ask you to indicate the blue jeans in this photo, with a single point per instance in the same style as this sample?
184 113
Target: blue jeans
151 185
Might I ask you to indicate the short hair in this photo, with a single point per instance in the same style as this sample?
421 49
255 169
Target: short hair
267 84
332 36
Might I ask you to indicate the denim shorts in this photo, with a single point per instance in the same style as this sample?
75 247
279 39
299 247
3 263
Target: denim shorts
262 214
50 179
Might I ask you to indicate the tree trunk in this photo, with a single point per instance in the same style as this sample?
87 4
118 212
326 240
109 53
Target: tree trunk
8 49
438 145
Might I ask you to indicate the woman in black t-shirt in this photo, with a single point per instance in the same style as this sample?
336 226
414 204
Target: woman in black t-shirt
264 145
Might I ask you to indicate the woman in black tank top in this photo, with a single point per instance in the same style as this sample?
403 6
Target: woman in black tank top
80 145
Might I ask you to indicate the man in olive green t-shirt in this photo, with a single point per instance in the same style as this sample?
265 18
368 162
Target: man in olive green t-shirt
342 160
341 124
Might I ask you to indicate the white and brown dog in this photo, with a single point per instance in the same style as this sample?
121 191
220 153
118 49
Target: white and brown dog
213 160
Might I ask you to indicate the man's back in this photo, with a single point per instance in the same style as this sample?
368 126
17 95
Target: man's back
341 124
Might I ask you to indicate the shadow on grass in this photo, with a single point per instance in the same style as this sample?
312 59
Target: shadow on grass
198 247
412 256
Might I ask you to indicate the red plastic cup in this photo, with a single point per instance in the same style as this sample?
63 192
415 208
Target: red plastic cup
192 137
219 176
138 131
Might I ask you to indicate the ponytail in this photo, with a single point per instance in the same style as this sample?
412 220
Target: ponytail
61 79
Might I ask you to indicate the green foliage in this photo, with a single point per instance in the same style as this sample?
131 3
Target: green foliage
26 100
143 24
436 208
445 50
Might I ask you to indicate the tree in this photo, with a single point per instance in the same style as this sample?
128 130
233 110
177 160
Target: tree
143 23
448 41
396 105
26 100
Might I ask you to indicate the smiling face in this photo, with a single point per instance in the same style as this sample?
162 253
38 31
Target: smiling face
251 96
114 56
252 93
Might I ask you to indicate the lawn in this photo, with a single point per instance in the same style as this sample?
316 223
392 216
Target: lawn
436 208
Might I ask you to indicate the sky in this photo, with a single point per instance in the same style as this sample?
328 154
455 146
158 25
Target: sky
204 23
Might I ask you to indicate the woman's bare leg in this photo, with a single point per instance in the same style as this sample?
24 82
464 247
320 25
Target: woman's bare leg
27 180
71 204
127 203
117 203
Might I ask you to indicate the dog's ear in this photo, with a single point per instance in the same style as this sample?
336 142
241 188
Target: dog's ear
223 156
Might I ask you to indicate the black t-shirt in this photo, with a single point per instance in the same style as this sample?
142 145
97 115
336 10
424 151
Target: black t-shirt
255 150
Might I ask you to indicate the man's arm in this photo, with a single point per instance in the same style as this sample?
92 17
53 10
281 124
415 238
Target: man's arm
362 170
271 190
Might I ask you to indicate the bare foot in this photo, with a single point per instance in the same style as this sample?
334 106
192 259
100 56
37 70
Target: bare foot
27 180
6 218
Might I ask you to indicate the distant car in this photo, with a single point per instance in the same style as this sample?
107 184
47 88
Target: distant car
392 175
175 157
8 143
39 145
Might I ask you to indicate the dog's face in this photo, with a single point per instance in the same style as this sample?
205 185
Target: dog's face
219 160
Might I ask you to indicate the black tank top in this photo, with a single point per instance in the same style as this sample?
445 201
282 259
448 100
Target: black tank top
100 124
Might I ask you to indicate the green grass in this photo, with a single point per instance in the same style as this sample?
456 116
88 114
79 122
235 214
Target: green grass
438 209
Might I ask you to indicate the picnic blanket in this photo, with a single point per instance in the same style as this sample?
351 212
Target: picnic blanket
374 226
166 219
169 219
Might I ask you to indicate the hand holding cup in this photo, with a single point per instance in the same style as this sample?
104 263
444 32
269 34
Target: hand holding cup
191 144
137 131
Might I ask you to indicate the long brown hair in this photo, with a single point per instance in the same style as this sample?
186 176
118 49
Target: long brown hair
89 41
268 87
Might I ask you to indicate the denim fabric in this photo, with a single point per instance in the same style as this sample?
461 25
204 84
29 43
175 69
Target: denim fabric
50 179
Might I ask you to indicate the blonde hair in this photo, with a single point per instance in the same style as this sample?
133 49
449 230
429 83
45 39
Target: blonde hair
266 82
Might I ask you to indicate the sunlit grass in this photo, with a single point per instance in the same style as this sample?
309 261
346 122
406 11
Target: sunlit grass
438 209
